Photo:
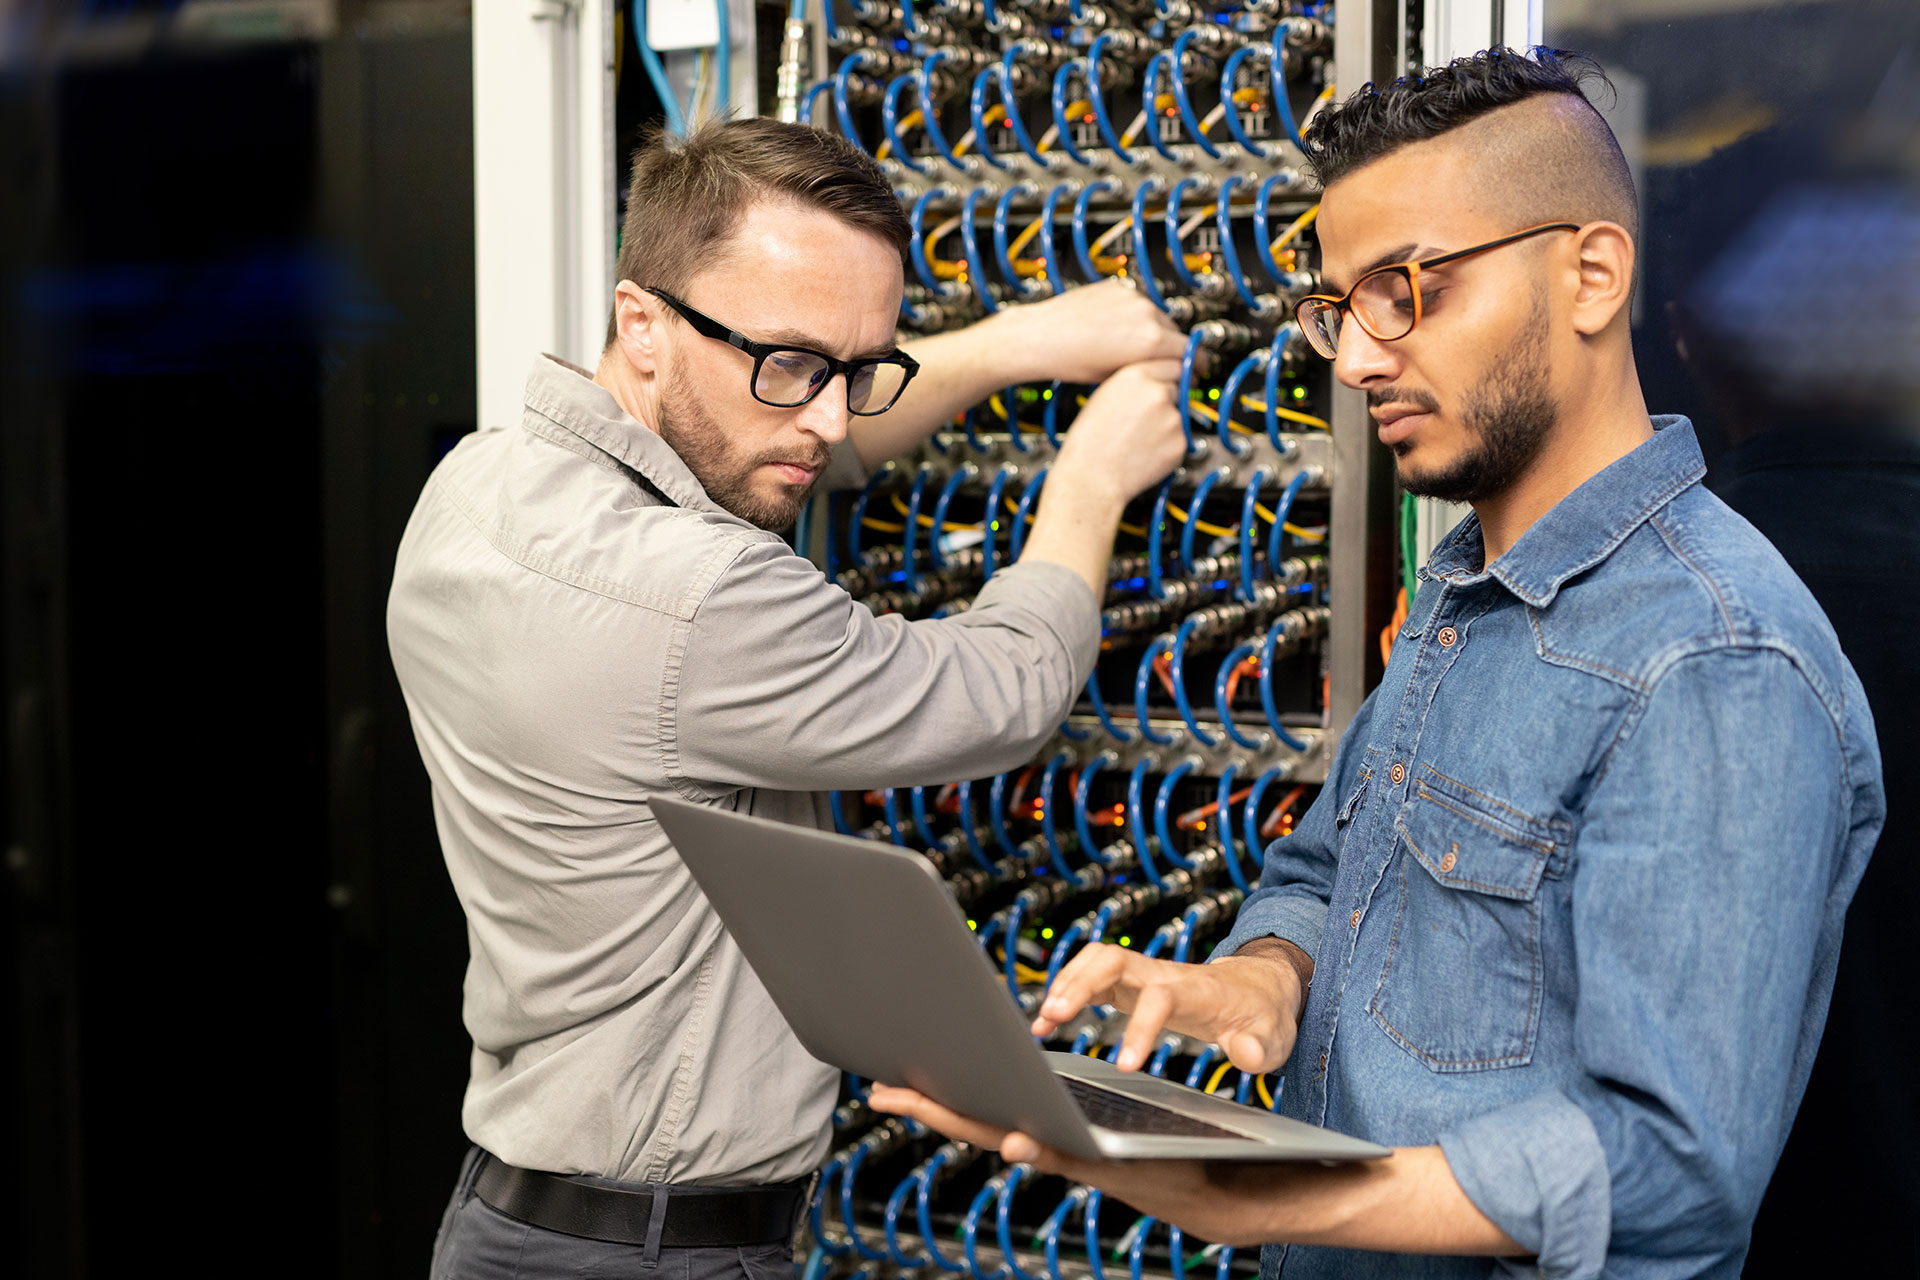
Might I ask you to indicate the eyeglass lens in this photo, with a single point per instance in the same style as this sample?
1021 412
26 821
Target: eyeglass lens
790 378
1383 302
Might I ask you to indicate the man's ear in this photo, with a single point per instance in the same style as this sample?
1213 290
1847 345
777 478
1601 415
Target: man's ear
1606 276
633 325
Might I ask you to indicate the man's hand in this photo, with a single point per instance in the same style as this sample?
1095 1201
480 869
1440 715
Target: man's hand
1127 438
1085 335
1249 1003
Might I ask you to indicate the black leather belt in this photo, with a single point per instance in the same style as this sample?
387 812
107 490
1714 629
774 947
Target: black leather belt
687 1216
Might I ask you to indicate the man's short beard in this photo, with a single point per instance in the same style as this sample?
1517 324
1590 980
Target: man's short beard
727 478
1510 414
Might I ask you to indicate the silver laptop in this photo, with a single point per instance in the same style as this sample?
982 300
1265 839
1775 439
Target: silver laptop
870 959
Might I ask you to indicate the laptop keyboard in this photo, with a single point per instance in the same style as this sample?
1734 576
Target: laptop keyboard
1124 1113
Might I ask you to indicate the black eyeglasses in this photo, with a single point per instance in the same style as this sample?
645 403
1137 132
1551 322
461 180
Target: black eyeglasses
788 377
1386 300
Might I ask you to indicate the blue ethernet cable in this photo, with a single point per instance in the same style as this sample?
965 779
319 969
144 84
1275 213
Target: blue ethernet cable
1113 730
1182 100
860 1246
1081 243
1176 672
723 54
976 112
1276 357
990 523
1266 689
1223 823
1056 392
970 1234
909 539
1190 928
1056 1221
1085 1040
923 1210
1175 1256
657 73
890 120
815 1215
1201 1061
1092 1224
917 247
839 818
892 1220
1136 820
1157 1065
930 115
1230 396
921 824
967 421
1227 76
816 1268
1188 528
1176 250
1142 679
892 807
1245 1087
806 101
1250 825
1262 233
1162 801
1156 534
1101 919
1002 238
1281 511
1076 932
1150 103
1143 264
842 105
937 535
1248 501
1047 829
1082 821
997 815
1049 251
1230 256
1238 654
1003 1225
1062 77
967 831
1010 399
1183 395
1023 512
970 237
1161 938
1012 104
1099 100
1282 106
1010 946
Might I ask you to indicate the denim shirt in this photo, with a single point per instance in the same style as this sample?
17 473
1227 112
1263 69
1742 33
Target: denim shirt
1575 886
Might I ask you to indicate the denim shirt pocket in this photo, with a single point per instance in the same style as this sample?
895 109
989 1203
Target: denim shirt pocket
1461 986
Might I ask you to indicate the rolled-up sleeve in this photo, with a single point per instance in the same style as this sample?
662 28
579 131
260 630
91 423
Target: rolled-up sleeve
1296 878
1706 906
786 681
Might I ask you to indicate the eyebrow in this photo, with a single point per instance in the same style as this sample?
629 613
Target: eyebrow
794 338
1405 253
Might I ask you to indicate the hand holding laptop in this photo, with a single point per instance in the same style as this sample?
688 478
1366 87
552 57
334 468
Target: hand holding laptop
1248 1003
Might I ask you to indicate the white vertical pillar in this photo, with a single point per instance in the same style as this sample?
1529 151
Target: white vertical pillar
543 189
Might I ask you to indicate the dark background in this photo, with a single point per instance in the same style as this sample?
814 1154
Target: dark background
236 331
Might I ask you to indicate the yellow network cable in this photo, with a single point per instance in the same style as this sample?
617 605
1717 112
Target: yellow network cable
1218 1076
946 269
1291 415
1212 529
886 148
1294 228
926 521
1260 1083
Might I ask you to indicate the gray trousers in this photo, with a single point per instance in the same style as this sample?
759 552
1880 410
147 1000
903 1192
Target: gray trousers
478 1242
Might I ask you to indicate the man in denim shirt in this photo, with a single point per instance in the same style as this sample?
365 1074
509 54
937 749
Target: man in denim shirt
1562 926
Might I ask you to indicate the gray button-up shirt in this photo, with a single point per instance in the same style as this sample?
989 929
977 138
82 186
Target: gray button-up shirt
577 628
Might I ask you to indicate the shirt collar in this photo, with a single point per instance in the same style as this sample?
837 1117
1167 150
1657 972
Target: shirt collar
564 401
1583 528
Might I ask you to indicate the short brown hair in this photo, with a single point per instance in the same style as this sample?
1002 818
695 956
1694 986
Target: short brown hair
688 195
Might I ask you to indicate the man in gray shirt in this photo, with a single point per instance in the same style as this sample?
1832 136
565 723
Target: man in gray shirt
591 609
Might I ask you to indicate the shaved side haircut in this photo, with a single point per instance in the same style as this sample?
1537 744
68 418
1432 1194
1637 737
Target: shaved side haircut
1524 121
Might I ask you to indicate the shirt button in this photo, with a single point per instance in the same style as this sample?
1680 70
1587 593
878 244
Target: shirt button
1447 636
1398 773
1355 922
1448 862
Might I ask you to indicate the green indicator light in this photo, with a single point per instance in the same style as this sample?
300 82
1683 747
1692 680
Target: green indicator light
972 925
1047 934
1213 394
1299 393
1126 942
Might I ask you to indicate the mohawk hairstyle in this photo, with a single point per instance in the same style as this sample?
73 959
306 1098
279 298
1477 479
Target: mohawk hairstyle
1373 122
